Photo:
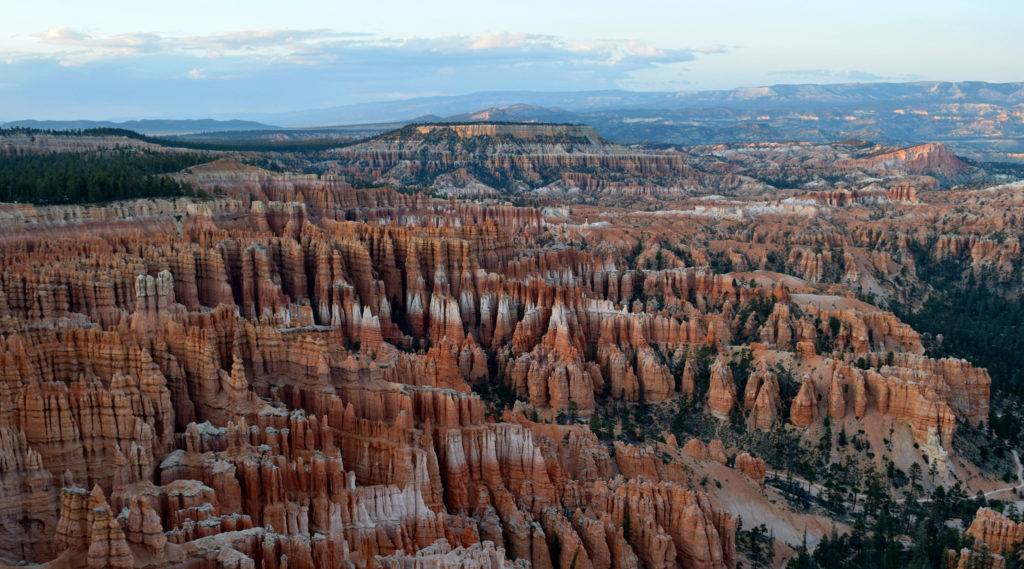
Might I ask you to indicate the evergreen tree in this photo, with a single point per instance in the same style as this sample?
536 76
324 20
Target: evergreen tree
91 177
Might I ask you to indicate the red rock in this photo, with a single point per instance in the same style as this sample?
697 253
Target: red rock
284 376
860 397
722 391
696 449
689 377
999 533
836 399
804 409
765 408
107 544
716 451
653 377
754 468
143 526
969 558
27 491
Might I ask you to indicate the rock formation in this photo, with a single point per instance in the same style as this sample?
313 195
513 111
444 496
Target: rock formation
752 467
300 373
805 407
722 391
997 532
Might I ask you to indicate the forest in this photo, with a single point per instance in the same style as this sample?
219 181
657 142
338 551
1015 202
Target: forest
95 176
963 317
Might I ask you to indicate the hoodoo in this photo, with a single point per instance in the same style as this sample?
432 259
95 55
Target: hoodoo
480 345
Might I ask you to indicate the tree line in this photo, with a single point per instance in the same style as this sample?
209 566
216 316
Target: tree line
253 144
94 176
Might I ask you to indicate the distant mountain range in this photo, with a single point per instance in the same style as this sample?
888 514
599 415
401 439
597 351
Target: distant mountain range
148 126
443 106
976 119
775 97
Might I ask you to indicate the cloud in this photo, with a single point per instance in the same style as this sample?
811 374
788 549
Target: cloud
72 46
254 70
320 46
62 35
119 44
507 40
265 42
714 49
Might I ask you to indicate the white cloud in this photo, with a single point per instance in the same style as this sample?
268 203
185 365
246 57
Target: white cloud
713 49
507 40
62 35
634 47
72 46
309 68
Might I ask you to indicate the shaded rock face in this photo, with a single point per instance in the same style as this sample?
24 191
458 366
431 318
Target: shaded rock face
87 523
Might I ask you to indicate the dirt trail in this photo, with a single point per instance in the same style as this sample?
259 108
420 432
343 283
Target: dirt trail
1020 477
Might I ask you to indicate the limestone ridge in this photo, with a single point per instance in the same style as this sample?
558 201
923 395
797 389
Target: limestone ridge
518 131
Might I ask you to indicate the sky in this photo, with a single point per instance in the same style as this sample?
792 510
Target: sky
129 59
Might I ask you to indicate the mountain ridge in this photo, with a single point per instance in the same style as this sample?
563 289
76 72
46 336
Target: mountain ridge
145 126
778 95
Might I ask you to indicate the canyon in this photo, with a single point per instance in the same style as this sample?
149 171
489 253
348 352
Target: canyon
488 357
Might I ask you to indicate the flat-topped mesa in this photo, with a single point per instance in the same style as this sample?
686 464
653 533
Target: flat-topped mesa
963 387
547 157
933 159
519 131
